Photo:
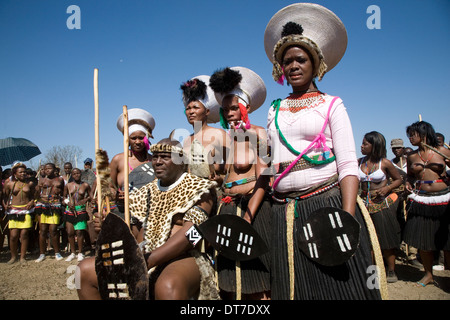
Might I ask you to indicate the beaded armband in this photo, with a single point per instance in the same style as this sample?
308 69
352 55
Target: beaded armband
196 215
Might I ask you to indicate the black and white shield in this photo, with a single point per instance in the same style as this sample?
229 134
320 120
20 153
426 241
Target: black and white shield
141 175
233 237
330 236
119 263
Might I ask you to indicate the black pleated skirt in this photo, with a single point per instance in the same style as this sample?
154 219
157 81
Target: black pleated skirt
255 273
350 280
427 225
387 226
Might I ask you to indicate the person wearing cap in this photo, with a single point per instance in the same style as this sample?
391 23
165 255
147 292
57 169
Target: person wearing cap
240 91
207 145
379 179
314 154
18 201
88 175
168 207
398 149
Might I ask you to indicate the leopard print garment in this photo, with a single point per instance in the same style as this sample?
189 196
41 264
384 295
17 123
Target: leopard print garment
156 208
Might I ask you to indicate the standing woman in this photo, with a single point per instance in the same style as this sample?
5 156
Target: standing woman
48 209
76 195
380 200
427 225
241 91
207 145
313 150
18 200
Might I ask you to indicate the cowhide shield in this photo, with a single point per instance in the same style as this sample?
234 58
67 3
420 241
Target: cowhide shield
330 236
119 263
140 176
233 237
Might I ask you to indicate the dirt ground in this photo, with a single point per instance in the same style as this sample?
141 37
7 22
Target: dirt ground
55 280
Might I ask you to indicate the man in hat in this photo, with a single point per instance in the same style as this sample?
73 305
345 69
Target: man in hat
398 150
88 175
168 207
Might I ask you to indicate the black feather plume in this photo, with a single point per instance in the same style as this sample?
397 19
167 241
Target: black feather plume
193 90
225 80
291 28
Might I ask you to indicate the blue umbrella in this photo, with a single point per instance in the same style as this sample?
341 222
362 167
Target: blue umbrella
17 149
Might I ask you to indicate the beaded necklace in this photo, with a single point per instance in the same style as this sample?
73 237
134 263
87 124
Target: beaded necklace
276 106
426 161
319 141
367 173
304 101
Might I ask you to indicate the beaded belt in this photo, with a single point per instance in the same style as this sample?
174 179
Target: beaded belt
239 182
429 181
305 196
301 164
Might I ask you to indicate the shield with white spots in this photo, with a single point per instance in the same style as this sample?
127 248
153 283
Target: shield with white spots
330 236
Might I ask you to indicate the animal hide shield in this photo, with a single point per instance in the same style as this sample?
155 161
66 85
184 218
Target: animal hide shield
330 236
233 237
140 176
119 263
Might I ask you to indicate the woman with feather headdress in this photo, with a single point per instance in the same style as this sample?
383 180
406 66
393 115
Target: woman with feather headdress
241 91
207 145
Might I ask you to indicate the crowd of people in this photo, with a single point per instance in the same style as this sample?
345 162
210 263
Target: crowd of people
46 210
278 179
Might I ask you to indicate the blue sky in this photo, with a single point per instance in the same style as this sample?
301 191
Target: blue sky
144 50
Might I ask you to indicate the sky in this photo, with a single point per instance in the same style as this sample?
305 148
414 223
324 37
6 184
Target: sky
144 50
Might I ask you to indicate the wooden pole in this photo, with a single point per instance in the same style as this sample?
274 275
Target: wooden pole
126 187
405 214
420 117
97 140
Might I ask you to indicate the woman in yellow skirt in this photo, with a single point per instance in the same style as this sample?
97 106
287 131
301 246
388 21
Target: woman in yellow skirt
18 199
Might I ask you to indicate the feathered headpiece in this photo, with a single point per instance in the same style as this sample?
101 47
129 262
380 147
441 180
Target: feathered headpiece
193 90
197 89
243 83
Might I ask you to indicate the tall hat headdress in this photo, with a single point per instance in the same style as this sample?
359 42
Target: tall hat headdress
310 26
241 82
198 89
138 120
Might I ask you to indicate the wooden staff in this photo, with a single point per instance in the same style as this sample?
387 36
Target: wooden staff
420 117
404 212
126 187
97 140
39 170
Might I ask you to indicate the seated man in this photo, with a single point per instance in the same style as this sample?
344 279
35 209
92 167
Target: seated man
168 207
